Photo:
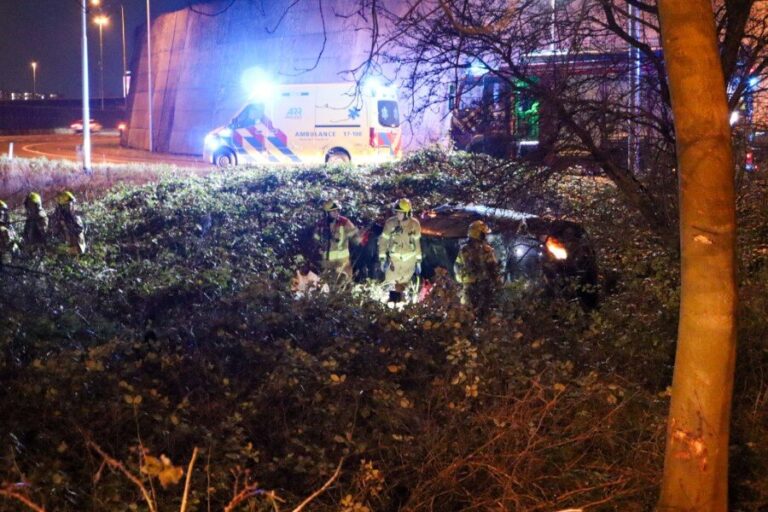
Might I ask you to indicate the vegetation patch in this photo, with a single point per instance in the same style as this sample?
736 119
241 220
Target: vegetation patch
177 335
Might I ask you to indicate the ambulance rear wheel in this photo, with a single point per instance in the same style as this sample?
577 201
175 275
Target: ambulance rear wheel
337 156
225 158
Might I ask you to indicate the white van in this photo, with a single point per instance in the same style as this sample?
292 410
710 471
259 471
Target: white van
311 123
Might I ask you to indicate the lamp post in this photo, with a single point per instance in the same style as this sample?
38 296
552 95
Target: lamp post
101 21
34 80
149 75
122 78
86 147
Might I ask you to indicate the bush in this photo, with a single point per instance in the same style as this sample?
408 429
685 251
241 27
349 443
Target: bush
177 330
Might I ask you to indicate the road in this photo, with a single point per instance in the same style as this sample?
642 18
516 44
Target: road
105 149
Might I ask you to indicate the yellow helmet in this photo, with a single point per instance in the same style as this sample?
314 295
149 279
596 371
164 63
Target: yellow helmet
403 205
478 230
33 198
331 205
3 205
65 197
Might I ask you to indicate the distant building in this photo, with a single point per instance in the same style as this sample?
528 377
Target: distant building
27 96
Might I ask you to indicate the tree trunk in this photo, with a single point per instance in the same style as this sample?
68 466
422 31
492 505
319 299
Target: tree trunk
696 461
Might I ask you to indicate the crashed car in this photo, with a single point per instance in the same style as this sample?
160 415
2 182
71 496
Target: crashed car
552 255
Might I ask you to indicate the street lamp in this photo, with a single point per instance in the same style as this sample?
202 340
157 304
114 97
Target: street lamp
122 77
149 75
101 21
34 80
86 147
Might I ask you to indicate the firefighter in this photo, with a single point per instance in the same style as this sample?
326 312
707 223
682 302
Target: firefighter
400 249
36 223
66 225
477 270
337 233
8 237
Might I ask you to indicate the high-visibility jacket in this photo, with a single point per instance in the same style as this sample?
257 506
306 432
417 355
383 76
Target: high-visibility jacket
400 240
338 234
35 226
8 243
476 263
68 227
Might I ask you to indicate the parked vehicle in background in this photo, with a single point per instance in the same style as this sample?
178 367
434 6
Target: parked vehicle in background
77 126
311 123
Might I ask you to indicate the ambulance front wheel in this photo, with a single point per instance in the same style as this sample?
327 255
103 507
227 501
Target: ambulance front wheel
337 156
224 158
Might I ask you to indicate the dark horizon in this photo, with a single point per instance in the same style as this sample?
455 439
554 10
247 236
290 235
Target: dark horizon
48 32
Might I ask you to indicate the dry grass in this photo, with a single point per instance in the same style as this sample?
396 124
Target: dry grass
20 176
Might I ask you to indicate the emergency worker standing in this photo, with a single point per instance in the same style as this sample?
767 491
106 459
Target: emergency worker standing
8 237
400 248
337 233
36 223
66 225
477 270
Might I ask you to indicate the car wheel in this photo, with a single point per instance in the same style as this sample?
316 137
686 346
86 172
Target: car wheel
225 158
337 157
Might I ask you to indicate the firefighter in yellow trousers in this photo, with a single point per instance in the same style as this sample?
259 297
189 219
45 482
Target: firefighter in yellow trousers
400 249
8 239
337 232
36 223
66 225
477 270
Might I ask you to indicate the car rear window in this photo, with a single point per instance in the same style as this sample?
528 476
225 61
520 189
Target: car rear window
389 115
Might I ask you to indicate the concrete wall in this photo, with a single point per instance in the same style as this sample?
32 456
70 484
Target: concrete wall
198 61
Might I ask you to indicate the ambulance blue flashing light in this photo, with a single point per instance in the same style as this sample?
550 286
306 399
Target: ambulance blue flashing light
754 81
264 92
258 85
477 68
225 132
374 87
371 87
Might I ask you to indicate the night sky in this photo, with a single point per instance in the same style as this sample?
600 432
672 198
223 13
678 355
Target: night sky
48 31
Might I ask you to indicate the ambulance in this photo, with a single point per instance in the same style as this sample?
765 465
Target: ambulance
310 124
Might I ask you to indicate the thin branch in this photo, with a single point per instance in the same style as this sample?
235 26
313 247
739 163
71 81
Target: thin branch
115 464
188 480
8 492
321 490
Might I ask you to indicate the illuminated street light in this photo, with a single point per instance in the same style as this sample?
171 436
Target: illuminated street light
34 79
149 76
101 21
86 147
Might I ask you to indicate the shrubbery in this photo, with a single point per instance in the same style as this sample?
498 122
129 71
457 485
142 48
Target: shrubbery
178 330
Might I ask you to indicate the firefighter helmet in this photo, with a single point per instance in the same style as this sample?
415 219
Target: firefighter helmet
64 198
478 230
3 205
33 199
403 205
331 205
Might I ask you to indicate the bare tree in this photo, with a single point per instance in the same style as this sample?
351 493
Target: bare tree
595 66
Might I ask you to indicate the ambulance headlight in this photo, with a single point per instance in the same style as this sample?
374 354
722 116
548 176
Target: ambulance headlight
212 141
225 132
